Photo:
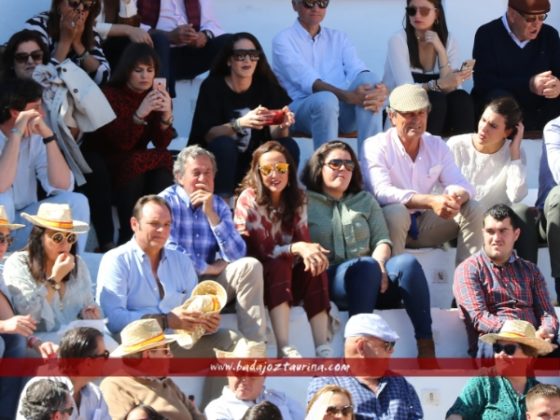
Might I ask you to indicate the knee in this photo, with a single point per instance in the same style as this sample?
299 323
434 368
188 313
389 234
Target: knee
406 263
325 104
252 268
362 269
472 210
397 216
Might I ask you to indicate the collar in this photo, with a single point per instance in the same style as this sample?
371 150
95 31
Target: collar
185 198
394 137
520 44
512 258
140 252
303 32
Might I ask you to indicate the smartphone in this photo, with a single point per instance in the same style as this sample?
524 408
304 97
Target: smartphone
276 117
468 65
160 83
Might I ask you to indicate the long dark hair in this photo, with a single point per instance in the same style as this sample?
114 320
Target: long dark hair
12 45
312 175
134 54
293 198
439 26
53 24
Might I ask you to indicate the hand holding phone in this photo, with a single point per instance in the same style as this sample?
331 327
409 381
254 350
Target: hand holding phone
468 65
275 117
160 83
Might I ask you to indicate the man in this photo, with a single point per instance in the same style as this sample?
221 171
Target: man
543 402
495 285
368 336
29 153
143 279
518 55
203 228
331 88
404 165
191 36
47 399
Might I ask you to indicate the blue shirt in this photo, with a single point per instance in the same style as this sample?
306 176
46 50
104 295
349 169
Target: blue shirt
396 399
549 170
128 290
192 234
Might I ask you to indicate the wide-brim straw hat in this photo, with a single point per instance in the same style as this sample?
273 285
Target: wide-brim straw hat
56 217
5 222
522 332
244 349
140 335
211 288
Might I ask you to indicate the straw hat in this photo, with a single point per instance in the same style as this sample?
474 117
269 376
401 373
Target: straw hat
56 217
518 331
244 349
408 98
5 222
141 335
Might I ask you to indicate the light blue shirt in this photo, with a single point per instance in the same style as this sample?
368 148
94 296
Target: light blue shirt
299 60
128 290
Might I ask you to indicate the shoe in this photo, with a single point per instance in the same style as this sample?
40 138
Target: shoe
324 350
290 352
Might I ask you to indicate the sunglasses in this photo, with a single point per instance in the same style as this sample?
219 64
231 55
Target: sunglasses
58 237
344 410
6 239
309 4
424 11
532 18
281 168
240 55
22 57
508 349
389 345
337 164
67 410
105 355
87 5
166 350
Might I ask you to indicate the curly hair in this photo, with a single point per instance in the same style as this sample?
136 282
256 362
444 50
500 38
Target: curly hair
53 23
44 398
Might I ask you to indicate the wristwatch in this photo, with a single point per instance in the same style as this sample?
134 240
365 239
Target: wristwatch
168 122
235 126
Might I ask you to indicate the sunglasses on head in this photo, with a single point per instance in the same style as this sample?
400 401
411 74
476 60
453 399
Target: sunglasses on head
6 239
337 164
58 237
67 410
344 410
74 4
309 4
532 18
281 168
105 355
22 57
240 55
424 11
508 349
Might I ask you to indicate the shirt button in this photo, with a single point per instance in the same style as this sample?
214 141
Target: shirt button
197 235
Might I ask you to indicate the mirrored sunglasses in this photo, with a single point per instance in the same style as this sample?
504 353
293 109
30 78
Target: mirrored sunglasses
309 4
508 349
424 11
58 237
344 410
67 410
337 164
532 18
74 4
6 239
22 57
105 355
240 55
281 168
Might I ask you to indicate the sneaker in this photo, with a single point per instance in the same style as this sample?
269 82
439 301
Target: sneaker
324 350
290 352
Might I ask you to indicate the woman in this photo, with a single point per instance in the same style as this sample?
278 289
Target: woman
271 215
425 53
330 402
347 220
47 280
265 410
502 396
232 116
67 29
144 412
24 51
124 169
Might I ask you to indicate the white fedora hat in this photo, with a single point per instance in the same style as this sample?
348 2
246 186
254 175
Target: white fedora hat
140 335
56 217
5 222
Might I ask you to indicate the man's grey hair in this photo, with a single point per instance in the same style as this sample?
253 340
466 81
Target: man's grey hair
44 398
191 152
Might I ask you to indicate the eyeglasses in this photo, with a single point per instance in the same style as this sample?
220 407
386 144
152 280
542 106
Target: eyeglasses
105 355
508 349
22 57
337 164
87 5
58 237
532 18
165 350
281 168
6 239
240 55
424 11
309 4
389 345
344 410
67 410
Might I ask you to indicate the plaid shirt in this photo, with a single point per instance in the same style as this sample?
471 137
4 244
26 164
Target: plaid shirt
396 399
489 294
192 234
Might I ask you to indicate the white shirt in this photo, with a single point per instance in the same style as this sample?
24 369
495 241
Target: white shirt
520 44
127 9
173 13
299 60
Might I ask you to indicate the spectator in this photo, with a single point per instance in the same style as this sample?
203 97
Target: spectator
143 412
124 168
495 285
543 402
202 228
518 55
246 391
47 400
330 401
234 111
67 29
427 54
29 153
368 336
403 166
265 410
347 221
271 216
24 51
331 88
502 395
188 36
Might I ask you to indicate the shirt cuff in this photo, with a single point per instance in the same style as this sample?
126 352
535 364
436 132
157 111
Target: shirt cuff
127 8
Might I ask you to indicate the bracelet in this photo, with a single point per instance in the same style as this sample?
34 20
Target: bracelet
168 122
82 57
47 140
209 34
33 341
438 87
53 283
137 120
17 131
236 127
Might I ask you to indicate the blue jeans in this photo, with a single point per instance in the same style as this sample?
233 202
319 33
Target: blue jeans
324 116
13 346
354 284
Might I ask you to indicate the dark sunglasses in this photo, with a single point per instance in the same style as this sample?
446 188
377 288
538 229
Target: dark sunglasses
58 237
281 168
240 55
531 18
87 5
344 410
6 239
68 410
337 164
424 11
508 349
105 355
309 4
389 345
22 57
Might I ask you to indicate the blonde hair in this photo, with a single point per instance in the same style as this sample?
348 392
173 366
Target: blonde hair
325 393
